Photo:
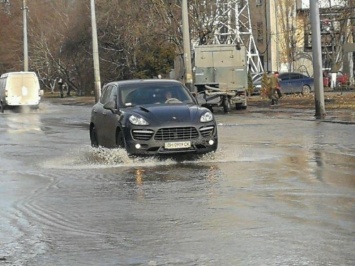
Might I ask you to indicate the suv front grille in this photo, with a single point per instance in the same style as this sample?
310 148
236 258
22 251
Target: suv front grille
178 133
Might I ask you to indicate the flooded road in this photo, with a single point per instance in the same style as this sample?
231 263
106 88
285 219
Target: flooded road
277 192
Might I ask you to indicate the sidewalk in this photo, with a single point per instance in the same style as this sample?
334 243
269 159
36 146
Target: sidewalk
279 112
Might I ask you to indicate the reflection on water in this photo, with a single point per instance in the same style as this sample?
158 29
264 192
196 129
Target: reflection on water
257 192
332 168
22 123
319 169
139 176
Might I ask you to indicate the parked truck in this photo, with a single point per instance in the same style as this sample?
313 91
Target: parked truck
221 75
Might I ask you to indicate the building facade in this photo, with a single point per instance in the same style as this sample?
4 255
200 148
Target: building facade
283 33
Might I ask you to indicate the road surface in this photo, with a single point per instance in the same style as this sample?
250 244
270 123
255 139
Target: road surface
279 191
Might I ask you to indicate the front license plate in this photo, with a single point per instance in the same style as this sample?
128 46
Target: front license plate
177 145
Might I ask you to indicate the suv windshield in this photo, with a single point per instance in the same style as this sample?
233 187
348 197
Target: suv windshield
161 93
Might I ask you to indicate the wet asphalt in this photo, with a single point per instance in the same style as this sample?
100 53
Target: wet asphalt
279 191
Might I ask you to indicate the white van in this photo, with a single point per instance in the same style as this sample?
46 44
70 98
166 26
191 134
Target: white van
19 89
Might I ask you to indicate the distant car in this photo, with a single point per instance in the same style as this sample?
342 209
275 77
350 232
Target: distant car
137 115
293 82
257 83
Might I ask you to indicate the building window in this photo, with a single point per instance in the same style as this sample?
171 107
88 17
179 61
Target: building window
307 40
260 32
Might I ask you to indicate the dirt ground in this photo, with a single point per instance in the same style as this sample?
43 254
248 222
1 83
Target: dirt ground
332 101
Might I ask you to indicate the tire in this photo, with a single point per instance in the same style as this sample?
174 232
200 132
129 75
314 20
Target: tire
306 90
35 107
1 107
226 104
120 140
93 137
240 106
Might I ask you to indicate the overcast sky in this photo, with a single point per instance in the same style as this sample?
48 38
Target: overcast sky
324 3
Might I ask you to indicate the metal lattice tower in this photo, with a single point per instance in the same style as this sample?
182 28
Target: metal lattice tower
233 26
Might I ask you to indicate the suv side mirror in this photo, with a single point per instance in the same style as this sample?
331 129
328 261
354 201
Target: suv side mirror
111 105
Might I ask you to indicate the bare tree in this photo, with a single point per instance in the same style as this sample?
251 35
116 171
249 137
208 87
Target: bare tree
287 32
134 40
336 28
11 40
57 51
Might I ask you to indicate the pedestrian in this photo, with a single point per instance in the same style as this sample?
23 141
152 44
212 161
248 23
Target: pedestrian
275 89
60 83
278 87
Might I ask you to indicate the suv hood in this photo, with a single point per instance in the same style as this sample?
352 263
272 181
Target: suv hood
169 113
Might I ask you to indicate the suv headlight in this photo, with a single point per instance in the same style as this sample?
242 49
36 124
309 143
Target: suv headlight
206 117
138 121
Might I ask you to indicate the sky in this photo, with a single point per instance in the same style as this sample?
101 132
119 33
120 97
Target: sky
323 3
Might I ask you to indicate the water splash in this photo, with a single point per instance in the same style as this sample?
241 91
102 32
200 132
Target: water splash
86 157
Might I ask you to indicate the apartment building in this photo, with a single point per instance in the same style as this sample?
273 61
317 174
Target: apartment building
282 33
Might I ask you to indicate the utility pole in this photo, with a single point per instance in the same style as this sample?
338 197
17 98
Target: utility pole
187 47
25 42
95 52
317 59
